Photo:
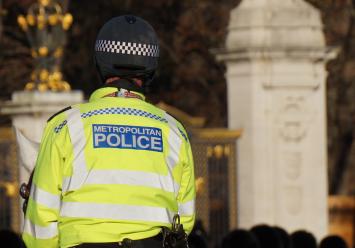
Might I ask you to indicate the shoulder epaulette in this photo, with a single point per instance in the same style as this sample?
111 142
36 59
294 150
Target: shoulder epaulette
177 119
59 112
181 131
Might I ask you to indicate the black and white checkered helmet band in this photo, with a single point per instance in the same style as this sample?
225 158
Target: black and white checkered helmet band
123 47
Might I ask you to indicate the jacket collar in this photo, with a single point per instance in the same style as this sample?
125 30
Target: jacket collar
107 91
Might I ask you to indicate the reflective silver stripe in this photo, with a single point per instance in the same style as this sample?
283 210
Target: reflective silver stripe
174 142
116 212
45 198
187 208
77 136
65 184
41 232
135 178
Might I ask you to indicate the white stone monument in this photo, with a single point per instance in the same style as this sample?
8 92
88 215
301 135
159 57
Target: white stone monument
275 56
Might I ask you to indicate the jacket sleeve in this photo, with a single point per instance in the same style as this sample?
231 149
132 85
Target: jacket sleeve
186 196
40 225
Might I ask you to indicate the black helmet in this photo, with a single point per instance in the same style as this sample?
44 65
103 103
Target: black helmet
127 46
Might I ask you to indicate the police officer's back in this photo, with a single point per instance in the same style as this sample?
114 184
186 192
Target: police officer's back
116 169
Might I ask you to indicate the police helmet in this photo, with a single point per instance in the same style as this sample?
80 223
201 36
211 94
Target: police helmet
127 47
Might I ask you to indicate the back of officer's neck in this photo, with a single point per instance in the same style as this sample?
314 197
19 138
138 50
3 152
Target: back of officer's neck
124 92
139 82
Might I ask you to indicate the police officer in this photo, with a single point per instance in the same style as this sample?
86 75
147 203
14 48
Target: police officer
115 171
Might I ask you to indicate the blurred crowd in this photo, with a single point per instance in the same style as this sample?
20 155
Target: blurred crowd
260 236
264 236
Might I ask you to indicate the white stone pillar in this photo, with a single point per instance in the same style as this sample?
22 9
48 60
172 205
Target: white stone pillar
275 56
29 112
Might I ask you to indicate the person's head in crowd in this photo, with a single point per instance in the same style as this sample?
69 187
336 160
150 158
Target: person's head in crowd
11 239
198 236
240 238
267 236
333 241
303 239
197 241
199 229
285 237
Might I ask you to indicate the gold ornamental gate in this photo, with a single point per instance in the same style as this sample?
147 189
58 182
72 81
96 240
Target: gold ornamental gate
9 197
214 153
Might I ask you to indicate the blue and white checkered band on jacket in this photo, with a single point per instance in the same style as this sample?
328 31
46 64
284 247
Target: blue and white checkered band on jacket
123 47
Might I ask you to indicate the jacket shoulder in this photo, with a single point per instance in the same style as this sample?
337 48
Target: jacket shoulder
59 112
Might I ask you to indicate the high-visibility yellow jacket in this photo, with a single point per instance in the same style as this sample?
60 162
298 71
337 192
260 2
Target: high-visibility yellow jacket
109 169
